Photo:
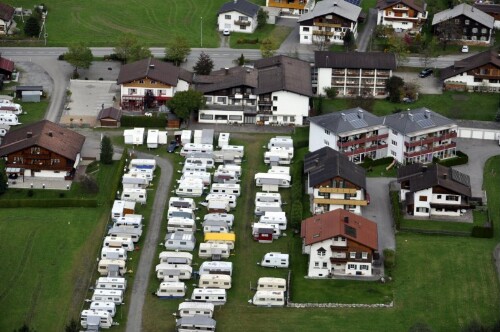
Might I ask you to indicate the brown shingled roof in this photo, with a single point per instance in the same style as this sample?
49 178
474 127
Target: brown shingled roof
6 12
418 5
110 112
328 225
45 134
477 60
154 69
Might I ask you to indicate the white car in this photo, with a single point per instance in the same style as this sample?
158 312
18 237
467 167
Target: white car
226 32
465 49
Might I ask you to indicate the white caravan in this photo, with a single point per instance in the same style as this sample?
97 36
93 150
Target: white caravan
131 181
176 257
290 151
204 162
181 225
196 148
276 284
124 242
113 253
181 202
269 298
9 119
130 220
190 187
179 212
263 207
268 197
152 140
279 170
118 283
231 167
258 227
195 324
171 290
185 271
217 205
190 309
146 172
108 295
206 177
180 241
214 250
190 167
223 140
275 259
215 226
121 209
92 319
225 176
215 296
134 136
222 281
104 306
143 164
213 267
104 266
226 188
186 137
277 157
227 217
132 232
280 142
9 103
278 218
134 195
231 199
273 179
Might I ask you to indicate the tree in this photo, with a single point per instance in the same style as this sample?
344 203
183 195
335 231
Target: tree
89 184
262 17
79 56
296 214
349 41
177 51
3 179
129 49
330 92
398 46
427 51
72 326
32 27
240 61
394 86
267 48
204 65
185 102
106 155
321 42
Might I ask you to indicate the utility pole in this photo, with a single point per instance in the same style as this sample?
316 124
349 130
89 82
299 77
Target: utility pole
201 31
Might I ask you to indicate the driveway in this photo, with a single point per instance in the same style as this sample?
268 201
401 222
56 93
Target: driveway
430 85
364 38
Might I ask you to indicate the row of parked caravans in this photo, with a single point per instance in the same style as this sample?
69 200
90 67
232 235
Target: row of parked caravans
154 137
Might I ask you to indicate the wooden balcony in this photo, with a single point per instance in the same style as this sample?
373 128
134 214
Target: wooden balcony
338 260
337 72
339 248
431 150
431 139
327 24
365 149
334 201
362 139
240 22
322 33
265 102
337 190
287 4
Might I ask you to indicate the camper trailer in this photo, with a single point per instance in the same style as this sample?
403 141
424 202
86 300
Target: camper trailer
206 162
217 205
152 140
171 290
135 181
163 269
143 164
206 177
290 151
121 209
134 233
175 212
272 181
190 309
222 281
180 241
231 199
95 320
147 173
134 136
259 227
277 157
279 170
195 148
225 176
134 195
214 251
226 156
211 267
104 306
204 136
195 324
9 119
118 283
215 226
190 187
108 295
280 142
223 140
278 218
227 217
181 225
271 284
181 202
221 238
124 242
226 188
130 220
230 167
176 257
190 167
269 298
275 259
263 207
104 266
215 296
113 253
186 137
268 197
9 103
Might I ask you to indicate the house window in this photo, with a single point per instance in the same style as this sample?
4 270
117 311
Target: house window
452 198
208 99
483 30
132 91
394 132
321 252
316 264
326 142
325 265
438 196
327 132
275 108
243 27
393 142
204 116
364 255
141 81
351 266
422 198
243 18
222 100
305 29
352 254
467 22
478 80
153 82
363 267
227 17
275 98
474 30
393 153
457 21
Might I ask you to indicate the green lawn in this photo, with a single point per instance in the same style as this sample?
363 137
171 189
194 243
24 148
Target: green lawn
480 218
34 111
244 40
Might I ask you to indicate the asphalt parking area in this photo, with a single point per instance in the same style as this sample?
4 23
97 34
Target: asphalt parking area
430 85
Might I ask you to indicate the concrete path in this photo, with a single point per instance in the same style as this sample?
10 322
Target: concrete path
365 36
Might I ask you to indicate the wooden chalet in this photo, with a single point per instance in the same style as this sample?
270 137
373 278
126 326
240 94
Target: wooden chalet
109 117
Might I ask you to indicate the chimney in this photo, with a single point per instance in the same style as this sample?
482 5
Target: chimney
343 116
151 66
226 70
346 219
51 134
445 176
427 114
360 114
335 4
29 134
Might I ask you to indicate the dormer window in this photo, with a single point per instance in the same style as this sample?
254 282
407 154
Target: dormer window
321 252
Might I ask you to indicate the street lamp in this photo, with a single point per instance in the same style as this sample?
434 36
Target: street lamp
201 31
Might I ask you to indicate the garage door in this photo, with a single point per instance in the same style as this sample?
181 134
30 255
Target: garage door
477 134
489 135
464 133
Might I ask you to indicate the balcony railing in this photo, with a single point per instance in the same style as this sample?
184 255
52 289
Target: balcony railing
361 140
338 201
338 248
365 149
241 22
269 112
265 102
338 72
431 139
322 33
337 190
431 150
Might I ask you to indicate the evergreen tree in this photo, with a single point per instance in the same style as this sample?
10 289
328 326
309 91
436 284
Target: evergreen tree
204 65
262 17
394 85
349 41
106 150
32 27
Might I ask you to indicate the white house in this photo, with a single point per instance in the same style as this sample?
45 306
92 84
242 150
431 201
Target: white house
434 190
328 22
238 16
339 243
402 15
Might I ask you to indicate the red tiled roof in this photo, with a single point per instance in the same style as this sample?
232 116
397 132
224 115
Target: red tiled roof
328 225
6 65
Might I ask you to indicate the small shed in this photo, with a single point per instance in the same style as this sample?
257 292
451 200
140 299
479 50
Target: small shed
173 121
109 117
29 93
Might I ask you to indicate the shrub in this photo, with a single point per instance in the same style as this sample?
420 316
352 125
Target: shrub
396 209
31 193
482 232
331 93
60 57
62 195
389 258
460 159
296 214
143 121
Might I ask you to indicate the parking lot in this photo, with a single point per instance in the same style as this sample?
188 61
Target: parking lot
429 85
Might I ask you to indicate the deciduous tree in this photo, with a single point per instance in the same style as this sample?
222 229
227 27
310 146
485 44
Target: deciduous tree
204 65
106 155
79 56
177 51
321 42
394 86
447 31
32 27
185 102
268 48
129 49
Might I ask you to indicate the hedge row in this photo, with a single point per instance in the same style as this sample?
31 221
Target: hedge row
144 121
396 210
45 203
461 159
117 177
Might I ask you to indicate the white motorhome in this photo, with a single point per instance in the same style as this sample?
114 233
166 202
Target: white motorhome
180 212
180 241
263 207
146 172
290 151
275 259
181 225
9 119
10 110
206 177
227 217
280 142
277 157
273 179
152 140
132 232
104 306
108 295
118 283
134 136
94 319
206 162
214 250
121 209
223 140
269 298
134 195
271 284
195 148
204 136
9 103
278 218
130 220
213 267
225 176
171 290
268 197
176 257
215 226
222 281
113 253
279 170
195 324
226 188
143 164
181 202
186 137
190 309
104 266
231 167
228 156
238 150
124 242
190 167
135 181
215 296
217 205
163 269
231 199
258 227
191 187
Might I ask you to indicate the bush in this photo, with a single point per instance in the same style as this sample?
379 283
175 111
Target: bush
482 232
60 57
247 40
296 214
31 193
117 177
389 258
144 121
62 195
460 159
331 93
113 57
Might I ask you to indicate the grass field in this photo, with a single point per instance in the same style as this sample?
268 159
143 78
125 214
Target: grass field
480 218
275 32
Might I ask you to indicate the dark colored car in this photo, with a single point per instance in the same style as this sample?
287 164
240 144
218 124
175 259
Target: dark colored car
426 72
172 146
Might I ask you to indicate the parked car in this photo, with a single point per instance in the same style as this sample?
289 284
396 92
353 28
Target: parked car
226 32
426 72
465 49
172 146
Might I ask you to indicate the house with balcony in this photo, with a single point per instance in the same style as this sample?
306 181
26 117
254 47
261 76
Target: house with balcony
402 15
465 24
491 9
149 83
353 73
328 22
238 16
354 132
420 135
42 149
334 182
477 73
291 8
339 243
434 190
6 18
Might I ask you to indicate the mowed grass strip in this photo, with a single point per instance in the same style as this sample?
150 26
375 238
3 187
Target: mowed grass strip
276 33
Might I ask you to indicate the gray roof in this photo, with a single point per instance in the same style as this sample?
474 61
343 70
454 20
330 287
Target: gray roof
360 60
416 120
196 320
418 5
226 79
326 163
214 223
488 8
240 6
466 10
347 120
472 62
336 7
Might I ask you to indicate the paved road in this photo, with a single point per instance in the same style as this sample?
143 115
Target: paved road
364 38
